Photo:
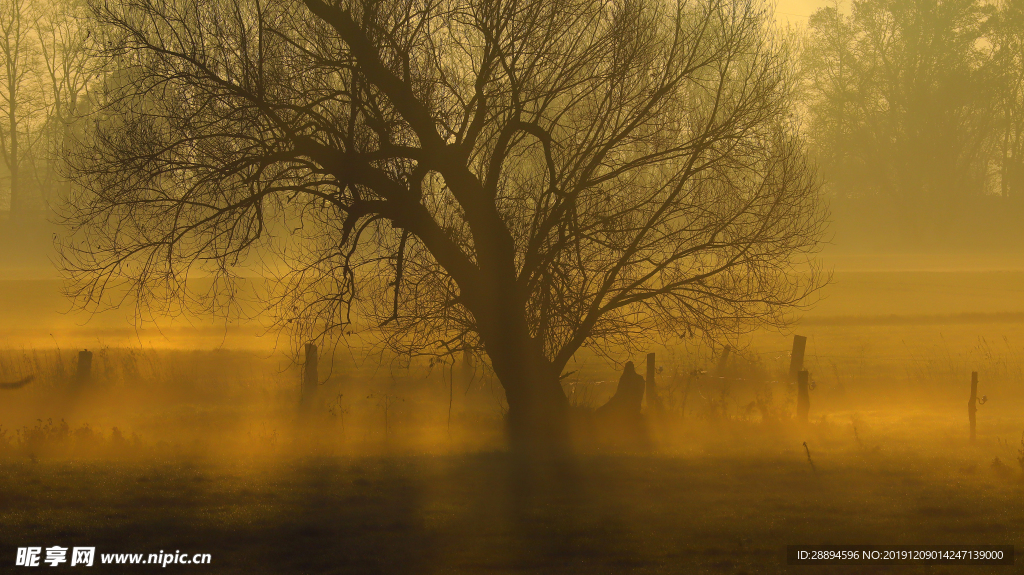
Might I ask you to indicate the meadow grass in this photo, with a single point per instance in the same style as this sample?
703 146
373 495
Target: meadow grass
185 447
705 512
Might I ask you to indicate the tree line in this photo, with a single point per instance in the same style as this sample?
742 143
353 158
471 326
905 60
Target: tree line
916 107
50 77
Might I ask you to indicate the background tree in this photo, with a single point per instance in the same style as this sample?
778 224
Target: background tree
901 94
46 70
833 80
70 70
18 99
1007 38
518 178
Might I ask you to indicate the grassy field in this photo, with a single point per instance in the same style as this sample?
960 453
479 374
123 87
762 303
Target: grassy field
703 512
191 439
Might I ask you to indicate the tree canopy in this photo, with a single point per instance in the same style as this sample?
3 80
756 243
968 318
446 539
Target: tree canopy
914 107
517 178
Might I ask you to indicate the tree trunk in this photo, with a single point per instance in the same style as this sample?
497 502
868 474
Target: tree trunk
538 415
12 161
538 410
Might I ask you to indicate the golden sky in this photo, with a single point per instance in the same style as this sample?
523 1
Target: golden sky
796 11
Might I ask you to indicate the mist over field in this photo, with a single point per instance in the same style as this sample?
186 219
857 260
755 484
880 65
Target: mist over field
510 287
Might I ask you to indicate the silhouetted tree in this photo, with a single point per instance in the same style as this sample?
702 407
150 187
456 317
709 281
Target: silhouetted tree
519 178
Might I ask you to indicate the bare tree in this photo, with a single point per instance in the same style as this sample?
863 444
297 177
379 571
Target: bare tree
1007 39
68 55
518 178
17 51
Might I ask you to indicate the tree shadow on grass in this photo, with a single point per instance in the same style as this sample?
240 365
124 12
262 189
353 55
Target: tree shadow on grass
348 516
511 515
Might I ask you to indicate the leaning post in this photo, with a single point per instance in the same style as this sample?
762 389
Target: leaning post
796 359
803 397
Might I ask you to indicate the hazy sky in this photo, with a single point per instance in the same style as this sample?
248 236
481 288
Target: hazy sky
797 11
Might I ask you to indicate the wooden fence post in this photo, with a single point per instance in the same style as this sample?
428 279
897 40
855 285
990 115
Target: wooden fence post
972 404
310 377
796 360
651 391
84 366
723 361
803 396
